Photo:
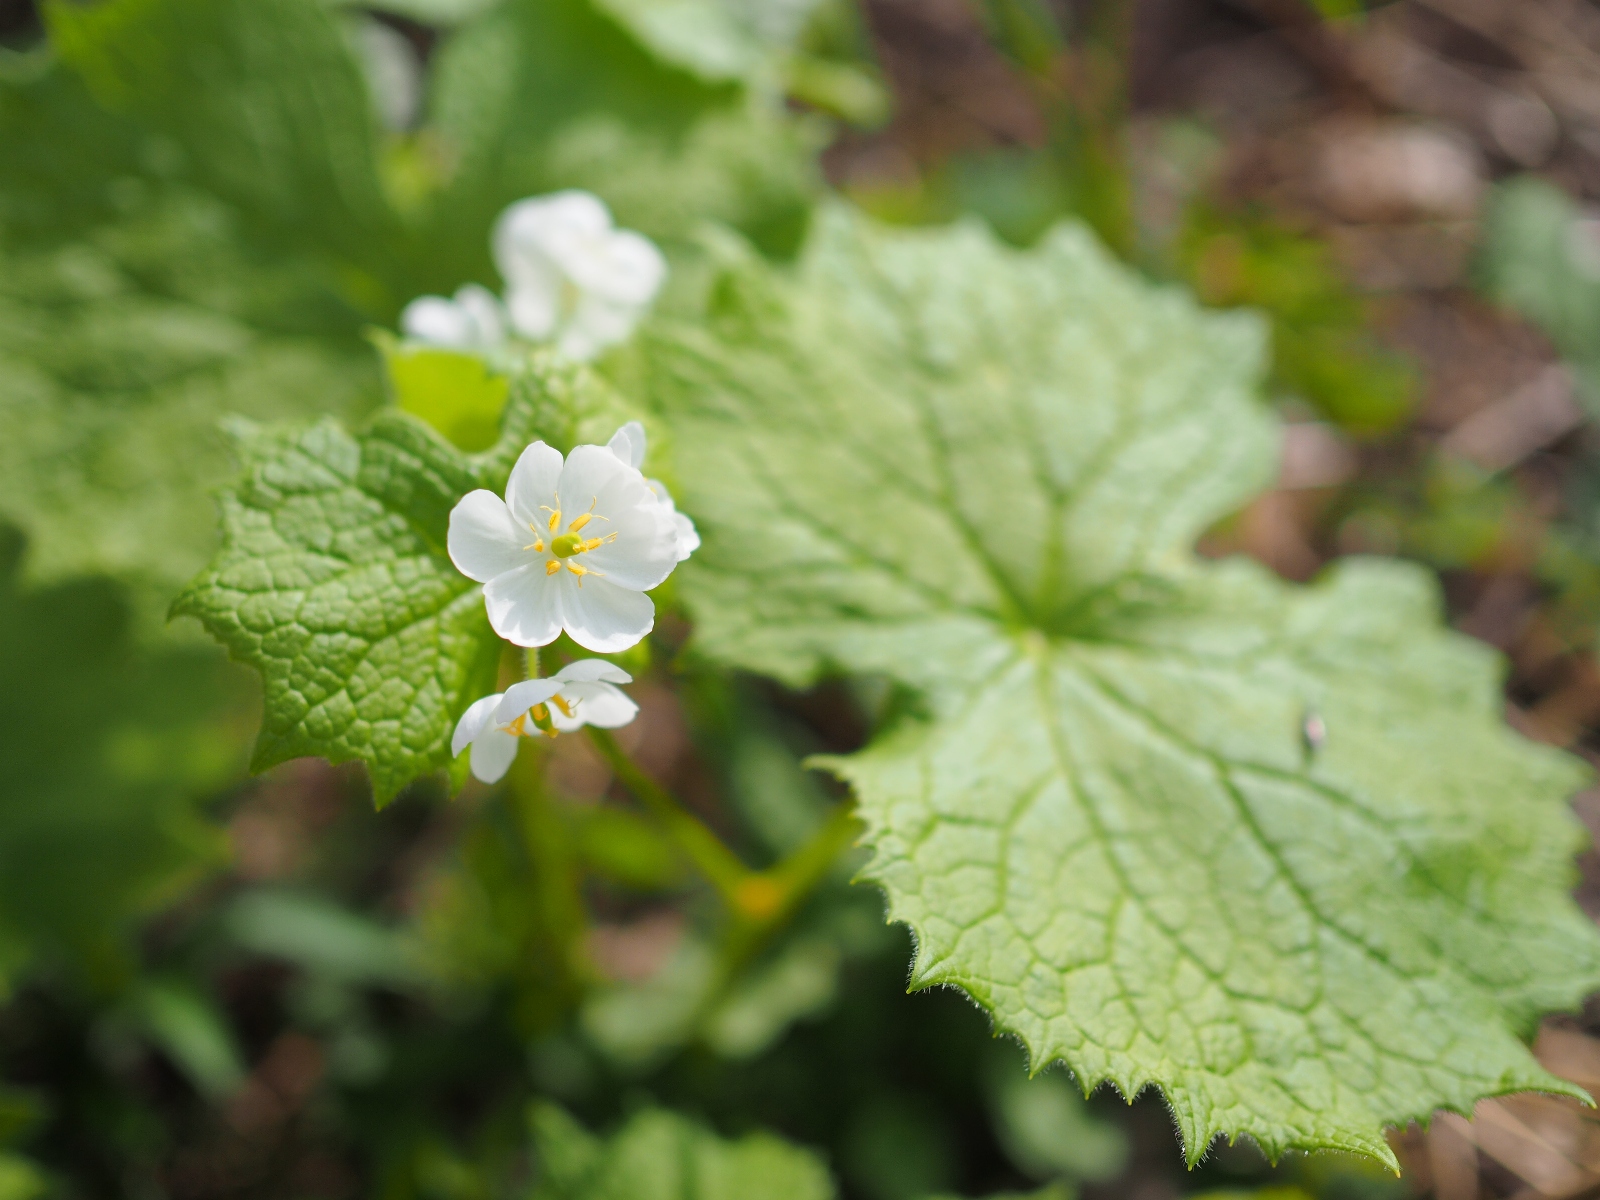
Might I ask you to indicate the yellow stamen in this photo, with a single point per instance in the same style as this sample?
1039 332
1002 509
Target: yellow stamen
516 727
555 519
540 713
579 522
561 704
536 545
551 567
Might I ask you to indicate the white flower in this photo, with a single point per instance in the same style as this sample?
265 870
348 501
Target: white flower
628 444
571 276
575 545
577 695
473 321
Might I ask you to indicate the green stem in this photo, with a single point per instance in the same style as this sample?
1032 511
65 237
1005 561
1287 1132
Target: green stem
702 847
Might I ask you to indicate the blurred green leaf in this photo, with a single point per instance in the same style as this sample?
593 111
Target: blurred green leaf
107 750
21 1179
188 1028
129 324
627 848
717 40
266 101
323 938
1323 349
1046 1129
659 1155
540 95
980 472
1541 257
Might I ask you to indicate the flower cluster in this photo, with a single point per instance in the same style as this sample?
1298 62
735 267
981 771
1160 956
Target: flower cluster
573 546
572 278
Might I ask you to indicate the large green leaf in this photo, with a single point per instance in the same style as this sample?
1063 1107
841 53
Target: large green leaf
1267 848
132 317
333 579
106 751
265 100
659 1155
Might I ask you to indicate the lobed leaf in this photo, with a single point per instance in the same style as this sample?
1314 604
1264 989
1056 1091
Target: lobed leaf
333 579
1177 824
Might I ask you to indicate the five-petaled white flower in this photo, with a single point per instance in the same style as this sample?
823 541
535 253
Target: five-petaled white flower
473 320
577 695
571 276
574 546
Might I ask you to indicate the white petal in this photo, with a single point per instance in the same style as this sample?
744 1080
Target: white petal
596 324
438 322
531 233
597 704
688 535
533 485
624 268
525 606
534 304
473 721
645 550
493 752
628 444
602 617
485 315
520 697
483 540
592 474
588 670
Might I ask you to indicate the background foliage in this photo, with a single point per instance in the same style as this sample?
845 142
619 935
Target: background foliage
223 985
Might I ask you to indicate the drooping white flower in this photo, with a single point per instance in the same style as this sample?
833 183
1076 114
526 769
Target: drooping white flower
577 695
571 276
574 546
628 444
473 320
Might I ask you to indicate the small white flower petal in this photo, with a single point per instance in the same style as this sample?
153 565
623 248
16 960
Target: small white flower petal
597 324
594 475
597 704
688 535
532 486
529 230
525 606
438 322
485 315
624 268
591 670
534 305
628 444
493 752
472 723
483 540
602 617
520 697
645 550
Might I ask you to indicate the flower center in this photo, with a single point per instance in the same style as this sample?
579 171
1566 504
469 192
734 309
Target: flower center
569 544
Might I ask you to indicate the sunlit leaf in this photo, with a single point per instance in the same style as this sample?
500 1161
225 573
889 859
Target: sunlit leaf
1265 847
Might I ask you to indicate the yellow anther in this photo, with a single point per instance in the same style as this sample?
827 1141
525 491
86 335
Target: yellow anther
593 542
516 727
555 519
551 567
576 569
579 522
536 545
561 704
540 713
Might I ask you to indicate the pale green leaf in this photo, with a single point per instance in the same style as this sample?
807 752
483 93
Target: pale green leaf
659 1155
979 472
334 583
